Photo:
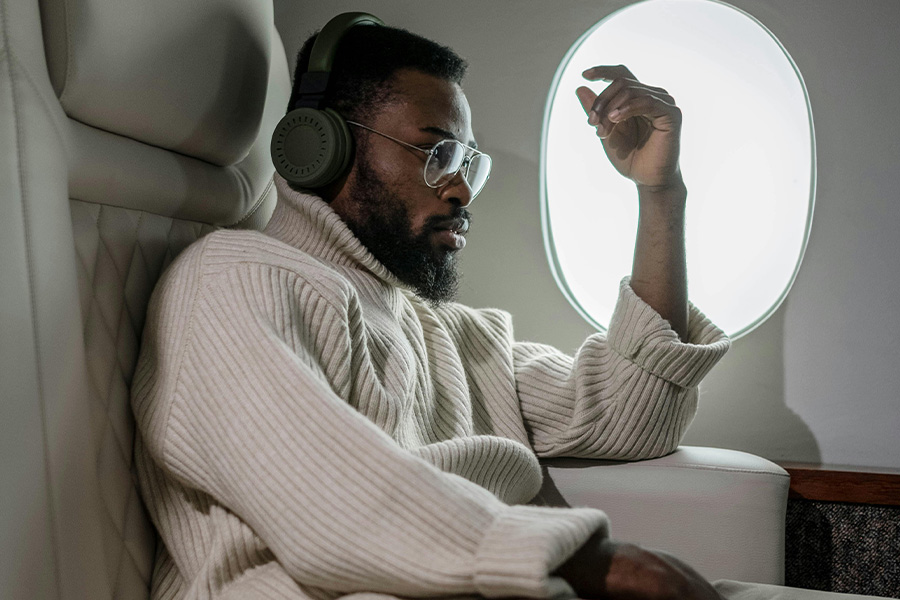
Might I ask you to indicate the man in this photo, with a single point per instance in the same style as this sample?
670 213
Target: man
316 417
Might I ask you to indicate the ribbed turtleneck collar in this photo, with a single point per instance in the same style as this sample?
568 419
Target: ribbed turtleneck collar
310 224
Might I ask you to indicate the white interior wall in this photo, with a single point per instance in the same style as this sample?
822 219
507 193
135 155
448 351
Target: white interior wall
819 381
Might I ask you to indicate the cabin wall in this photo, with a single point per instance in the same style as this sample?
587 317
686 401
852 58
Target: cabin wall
820 380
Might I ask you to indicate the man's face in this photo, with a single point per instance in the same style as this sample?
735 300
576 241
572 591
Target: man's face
414 230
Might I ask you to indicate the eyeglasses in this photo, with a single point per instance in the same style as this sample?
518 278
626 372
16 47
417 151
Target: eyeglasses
446 159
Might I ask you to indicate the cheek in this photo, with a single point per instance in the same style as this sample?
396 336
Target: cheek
398 176
416 207
409 189
405 184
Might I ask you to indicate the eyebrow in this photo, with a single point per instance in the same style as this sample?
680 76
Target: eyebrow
446 134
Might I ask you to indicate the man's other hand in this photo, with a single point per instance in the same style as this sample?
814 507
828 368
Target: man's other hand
640 126
603 568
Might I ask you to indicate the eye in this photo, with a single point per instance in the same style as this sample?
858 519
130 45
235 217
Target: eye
443 153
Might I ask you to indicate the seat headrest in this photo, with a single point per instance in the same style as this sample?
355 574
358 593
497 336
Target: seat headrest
187 76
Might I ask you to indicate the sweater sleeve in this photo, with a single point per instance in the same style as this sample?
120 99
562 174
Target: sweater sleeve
253 423
630 394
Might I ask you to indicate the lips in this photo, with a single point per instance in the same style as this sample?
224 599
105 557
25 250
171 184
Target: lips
459 226
451 232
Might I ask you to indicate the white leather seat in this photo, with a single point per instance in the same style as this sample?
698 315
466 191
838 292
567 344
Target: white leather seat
721 511
128 130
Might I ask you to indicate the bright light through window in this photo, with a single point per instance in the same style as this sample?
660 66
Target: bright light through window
748 158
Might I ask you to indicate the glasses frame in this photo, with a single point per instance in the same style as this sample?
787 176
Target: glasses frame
470 154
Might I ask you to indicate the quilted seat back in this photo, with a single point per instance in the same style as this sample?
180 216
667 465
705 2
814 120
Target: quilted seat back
127 131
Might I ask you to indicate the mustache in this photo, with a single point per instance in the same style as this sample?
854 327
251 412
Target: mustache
459 219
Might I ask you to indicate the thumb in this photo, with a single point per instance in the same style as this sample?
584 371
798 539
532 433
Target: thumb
586 96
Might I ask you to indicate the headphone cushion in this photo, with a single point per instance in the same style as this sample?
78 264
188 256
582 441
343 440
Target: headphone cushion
311 147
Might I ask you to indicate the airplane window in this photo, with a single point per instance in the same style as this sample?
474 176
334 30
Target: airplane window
748 159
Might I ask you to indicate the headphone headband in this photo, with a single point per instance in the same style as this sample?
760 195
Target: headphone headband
325 47
314 82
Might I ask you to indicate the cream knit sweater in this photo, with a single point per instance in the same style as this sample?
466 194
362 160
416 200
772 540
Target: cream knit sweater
308 428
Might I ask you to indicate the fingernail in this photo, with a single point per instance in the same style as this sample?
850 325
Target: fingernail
593 118
614 115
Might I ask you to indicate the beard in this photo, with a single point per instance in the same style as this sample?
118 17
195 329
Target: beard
381 222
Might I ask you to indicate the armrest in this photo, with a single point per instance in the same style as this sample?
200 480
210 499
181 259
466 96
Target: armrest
721 511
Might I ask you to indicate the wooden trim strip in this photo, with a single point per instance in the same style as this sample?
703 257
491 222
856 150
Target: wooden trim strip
859 485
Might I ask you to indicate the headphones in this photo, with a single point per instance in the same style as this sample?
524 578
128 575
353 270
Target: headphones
311 145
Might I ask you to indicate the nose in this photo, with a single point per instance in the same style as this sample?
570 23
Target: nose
457 191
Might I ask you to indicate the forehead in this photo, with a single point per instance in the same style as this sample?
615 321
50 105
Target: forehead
423 101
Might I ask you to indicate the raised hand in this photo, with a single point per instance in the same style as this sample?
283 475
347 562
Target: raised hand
639 124
640 127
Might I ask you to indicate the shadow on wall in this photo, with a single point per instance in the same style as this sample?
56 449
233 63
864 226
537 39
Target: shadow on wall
743 404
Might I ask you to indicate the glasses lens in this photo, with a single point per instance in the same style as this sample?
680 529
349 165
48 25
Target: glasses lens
445 160
478 172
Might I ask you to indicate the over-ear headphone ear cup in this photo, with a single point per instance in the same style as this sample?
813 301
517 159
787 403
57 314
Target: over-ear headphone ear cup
311 147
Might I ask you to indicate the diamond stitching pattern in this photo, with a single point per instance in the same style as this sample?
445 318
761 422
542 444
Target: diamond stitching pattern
121 254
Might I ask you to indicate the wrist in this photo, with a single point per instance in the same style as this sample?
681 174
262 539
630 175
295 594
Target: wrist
672 193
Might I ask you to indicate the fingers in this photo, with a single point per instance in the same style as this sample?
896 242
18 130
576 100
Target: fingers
625 98
662 114
586 96
607 73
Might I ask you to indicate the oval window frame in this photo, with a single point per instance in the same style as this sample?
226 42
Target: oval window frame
547 229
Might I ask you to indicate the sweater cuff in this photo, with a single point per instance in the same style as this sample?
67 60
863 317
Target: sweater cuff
527 543
638 333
